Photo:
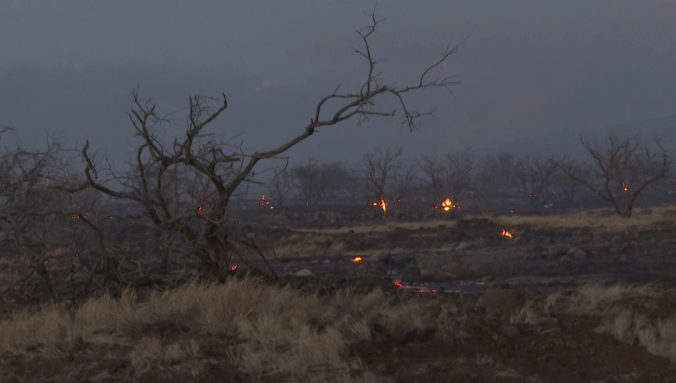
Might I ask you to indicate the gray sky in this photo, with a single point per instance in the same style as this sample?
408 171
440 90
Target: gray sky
534 74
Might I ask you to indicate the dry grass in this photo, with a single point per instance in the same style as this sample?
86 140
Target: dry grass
600 219
304 245
383 227
632 314
267 332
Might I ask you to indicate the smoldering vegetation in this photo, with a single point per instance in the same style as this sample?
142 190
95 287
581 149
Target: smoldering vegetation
202 262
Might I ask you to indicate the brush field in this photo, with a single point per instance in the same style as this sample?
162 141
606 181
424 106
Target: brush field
578 297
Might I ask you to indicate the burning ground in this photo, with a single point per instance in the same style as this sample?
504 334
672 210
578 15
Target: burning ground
581 297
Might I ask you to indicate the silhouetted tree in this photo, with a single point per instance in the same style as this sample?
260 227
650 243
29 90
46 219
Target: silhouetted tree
449 178
217 169
280 185
622 169
317 181
379 167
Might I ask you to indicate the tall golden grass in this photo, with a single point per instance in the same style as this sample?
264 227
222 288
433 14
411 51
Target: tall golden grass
267 332
631 313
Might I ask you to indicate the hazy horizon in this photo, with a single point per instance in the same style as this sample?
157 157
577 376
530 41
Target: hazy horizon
533 76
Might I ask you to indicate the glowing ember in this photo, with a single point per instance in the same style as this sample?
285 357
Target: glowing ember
506 233
200 208
512 211
397 283
423 291
234 267
357 259
625 187
382 204
263 198
272 207
447 204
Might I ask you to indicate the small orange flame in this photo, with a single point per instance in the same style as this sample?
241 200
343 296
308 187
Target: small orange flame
447 204
357 259
397 283
506 233
382 204
625 187
263 198
234 267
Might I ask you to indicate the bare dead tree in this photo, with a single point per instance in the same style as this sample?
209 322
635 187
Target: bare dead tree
21 178
451 178
536 175
33 214
622 169
316 181
459 174
406 183
435 174
221 168
567 188
280 185
379 167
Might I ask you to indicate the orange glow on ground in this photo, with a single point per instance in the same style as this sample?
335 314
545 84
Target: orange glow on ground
357 259
382 204
447 204
506 233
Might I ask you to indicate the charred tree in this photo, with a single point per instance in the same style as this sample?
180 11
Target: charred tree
621 170
217 169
